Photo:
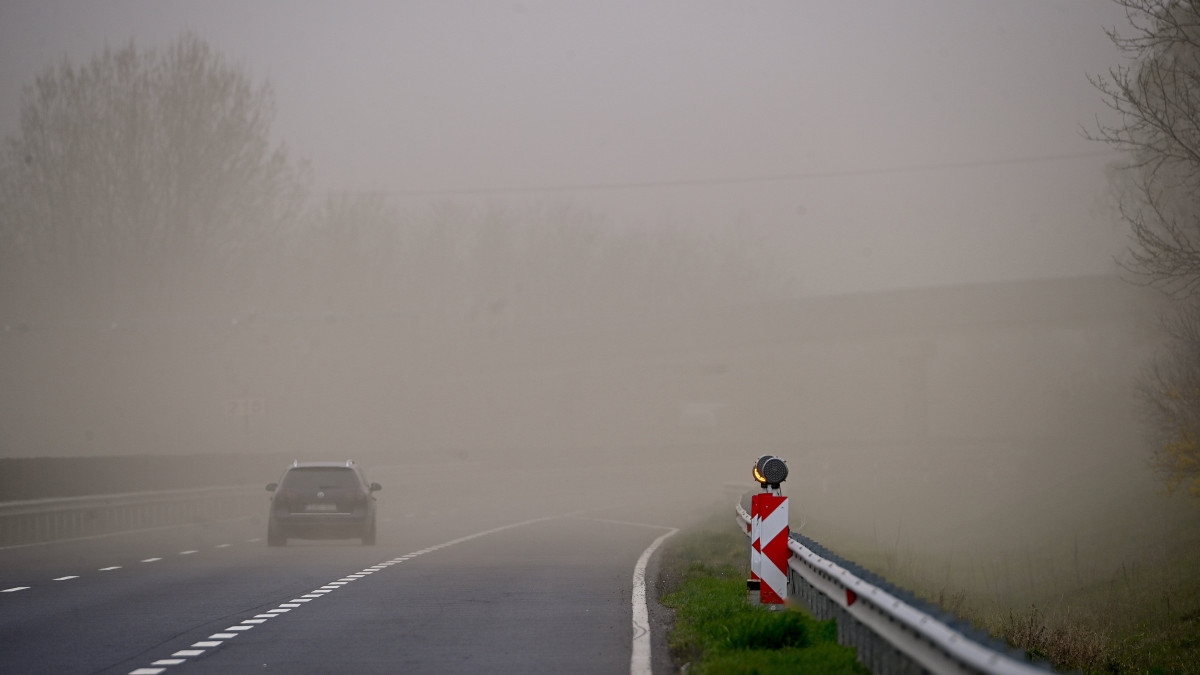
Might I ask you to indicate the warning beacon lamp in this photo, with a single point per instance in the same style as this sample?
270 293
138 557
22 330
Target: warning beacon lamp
770 471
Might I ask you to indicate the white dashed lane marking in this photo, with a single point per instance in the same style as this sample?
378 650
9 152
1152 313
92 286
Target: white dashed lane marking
110 568
330 587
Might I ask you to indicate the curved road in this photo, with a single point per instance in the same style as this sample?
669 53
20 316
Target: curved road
511 571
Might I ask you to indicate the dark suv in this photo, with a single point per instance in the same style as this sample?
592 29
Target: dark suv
322 500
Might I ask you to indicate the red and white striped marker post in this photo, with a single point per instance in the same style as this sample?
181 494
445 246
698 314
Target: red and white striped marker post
772 547
769 552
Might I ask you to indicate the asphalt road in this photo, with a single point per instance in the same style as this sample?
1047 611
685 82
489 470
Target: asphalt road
476 570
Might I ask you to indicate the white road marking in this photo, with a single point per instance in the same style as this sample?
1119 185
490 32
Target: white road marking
14 589
188 552
168 662
639 659
222 636
247 624
73 576
223 545
109 569
152 559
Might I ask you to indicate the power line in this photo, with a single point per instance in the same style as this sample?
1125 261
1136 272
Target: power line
743 180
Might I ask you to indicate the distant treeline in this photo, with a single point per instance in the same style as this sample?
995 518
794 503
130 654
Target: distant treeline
148 185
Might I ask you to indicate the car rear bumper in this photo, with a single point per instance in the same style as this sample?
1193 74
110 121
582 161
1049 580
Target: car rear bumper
320 525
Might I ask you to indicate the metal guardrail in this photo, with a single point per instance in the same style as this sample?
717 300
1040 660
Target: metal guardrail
891 630
43 520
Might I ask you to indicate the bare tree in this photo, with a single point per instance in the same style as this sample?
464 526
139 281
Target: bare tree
144 177
1157 101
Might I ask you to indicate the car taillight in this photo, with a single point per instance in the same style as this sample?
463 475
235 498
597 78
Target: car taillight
283 500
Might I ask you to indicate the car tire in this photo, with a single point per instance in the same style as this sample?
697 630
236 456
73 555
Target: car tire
274 536
368 536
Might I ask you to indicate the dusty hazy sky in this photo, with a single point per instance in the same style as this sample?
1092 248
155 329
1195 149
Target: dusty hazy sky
905 143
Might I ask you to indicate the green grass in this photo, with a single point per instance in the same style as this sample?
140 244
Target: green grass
718 631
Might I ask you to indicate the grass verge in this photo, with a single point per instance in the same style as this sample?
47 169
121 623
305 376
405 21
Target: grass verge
717 631
1143 617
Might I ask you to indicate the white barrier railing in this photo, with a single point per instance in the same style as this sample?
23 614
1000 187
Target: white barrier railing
890 634
42 520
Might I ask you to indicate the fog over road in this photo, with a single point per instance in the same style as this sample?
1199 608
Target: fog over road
546 587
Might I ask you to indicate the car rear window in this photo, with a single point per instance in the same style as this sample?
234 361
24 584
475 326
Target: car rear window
320 478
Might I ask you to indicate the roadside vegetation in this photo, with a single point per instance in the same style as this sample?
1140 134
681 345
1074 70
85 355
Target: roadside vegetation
718 631
1144 619
1141 617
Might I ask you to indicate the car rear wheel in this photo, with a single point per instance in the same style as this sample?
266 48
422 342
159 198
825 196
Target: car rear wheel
274 536
368 536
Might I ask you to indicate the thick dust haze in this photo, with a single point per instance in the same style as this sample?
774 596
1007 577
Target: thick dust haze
868 240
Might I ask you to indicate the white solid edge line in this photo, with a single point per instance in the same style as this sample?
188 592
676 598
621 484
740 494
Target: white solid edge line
639 659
